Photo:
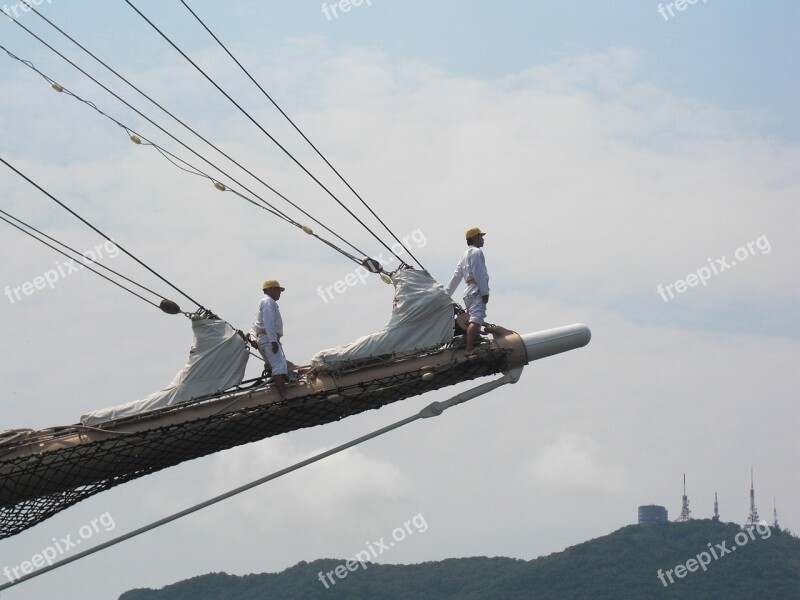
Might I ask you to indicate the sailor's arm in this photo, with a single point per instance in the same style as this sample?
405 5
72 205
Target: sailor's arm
458 275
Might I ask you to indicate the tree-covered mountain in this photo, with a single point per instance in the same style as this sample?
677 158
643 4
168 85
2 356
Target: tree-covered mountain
698 560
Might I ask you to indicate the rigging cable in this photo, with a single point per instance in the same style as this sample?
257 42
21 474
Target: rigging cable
303 135
257 124
84 264
95 229
432 410
77 253
138 138
222 152
307 230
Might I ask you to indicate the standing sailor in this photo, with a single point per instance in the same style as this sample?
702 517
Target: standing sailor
269 331
472 270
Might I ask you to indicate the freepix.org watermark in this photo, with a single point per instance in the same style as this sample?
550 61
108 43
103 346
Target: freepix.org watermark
374 549
715 267
59 547
715 552
12 12
334 9
51 277
668 11
360 274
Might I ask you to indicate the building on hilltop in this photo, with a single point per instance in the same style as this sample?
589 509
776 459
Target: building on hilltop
652 514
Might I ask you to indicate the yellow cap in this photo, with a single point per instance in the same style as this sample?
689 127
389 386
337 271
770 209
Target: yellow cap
473 231
272 283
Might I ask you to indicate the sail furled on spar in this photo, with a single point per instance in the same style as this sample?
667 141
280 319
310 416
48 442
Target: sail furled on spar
422 318
217 360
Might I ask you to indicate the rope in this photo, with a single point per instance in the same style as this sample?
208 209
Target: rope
77 253
303 135
222 152
60 88
257 124
85 265
96 230
139 139
432 410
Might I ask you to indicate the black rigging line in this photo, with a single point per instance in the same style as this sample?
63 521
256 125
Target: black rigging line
310 143
172 158
84 264
257 124
77 253
192 150
95 229
138 138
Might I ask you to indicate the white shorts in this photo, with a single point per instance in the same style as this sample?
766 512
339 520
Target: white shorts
476 307
276 360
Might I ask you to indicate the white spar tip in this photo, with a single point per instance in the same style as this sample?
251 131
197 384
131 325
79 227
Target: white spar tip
556 340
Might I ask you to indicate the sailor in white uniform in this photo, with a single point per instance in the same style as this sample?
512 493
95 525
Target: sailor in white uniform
269 331
471 269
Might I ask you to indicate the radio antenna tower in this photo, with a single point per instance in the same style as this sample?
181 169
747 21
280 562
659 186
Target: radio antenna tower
716 508
775 514
752 519
684 516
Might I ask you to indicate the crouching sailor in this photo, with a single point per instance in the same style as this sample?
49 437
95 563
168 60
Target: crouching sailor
269 331
472 270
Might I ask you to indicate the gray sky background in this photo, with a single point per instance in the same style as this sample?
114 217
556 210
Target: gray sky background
606 150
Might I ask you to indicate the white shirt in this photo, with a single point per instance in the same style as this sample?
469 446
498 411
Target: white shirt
269 319
472 266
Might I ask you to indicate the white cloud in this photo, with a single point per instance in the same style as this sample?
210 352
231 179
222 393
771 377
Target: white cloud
575 462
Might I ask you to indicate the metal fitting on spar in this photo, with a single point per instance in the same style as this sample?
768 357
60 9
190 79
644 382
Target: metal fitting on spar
555 341
528 347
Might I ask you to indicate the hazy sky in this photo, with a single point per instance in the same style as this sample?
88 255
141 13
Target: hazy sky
616 154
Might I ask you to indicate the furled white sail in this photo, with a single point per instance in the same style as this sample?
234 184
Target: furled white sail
422 317
217 360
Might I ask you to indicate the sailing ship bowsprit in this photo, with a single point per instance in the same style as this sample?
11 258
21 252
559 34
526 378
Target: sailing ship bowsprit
208 407
43 472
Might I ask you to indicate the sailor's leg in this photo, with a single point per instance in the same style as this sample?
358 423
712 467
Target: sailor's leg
473 329
476 308
280 370
280 383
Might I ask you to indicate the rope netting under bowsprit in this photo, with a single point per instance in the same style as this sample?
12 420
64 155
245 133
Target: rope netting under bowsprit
34 488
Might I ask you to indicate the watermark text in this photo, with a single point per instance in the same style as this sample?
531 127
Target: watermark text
361 274
715 551
668 11
59 547
51 277
334 9
715 267
15 9
374 549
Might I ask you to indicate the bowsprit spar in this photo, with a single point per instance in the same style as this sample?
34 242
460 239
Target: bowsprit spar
209 407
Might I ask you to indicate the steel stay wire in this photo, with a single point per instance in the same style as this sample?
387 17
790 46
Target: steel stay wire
432 410
303 135
172 158
139 138
84 264
222 152
141 114
96 230
76 252
257 124
202 310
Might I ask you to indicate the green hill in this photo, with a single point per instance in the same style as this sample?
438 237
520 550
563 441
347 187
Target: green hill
736 565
